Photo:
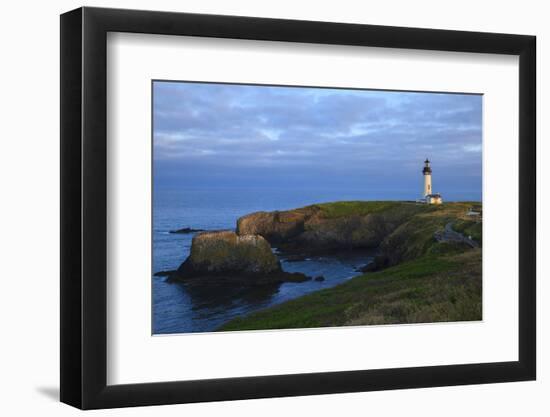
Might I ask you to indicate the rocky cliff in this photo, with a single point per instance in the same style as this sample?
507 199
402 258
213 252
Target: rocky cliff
326 227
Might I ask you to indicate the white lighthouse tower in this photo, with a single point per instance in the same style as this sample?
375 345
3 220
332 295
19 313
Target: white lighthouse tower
427 171
429 195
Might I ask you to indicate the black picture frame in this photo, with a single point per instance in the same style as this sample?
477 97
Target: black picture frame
84 207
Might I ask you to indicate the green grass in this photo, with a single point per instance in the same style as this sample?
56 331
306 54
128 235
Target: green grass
448 248
428 289
413 238
355 208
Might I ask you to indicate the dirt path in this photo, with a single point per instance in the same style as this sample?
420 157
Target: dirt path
449 235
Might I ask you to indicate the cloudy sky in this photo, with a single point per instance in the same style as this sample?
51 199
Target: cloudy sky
223 135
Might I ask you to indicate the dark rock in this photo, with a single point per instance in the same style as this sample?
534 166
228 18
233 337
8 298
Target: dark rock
163 273
320 278
185 230
379 262
294 277
367 267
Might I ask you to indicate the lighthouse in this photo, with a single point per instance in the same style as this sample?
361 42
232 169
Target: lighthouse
427 171
429 196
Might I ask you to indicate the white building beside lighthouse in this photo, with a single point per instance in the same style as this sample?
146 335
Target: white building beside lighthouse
429 196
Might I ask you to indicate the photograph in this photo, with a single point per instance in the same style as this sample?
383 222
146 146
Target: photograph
293 207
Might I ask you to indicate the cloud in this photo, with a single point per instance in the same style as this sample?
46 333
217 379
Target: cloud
204 131
473 148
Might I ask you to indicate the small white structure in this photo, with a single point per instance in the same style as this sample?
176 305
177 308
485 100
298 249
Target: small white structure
475 214
429 196
434 199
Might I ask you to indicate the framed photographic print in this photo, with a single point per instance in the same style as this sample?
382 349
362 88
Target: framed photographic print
258 207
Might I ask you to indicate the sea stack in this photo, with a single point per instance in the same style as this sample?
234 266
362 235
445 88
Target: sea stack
223 257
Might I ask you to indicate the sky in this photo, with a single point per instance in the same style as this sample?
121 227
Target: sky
238 136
